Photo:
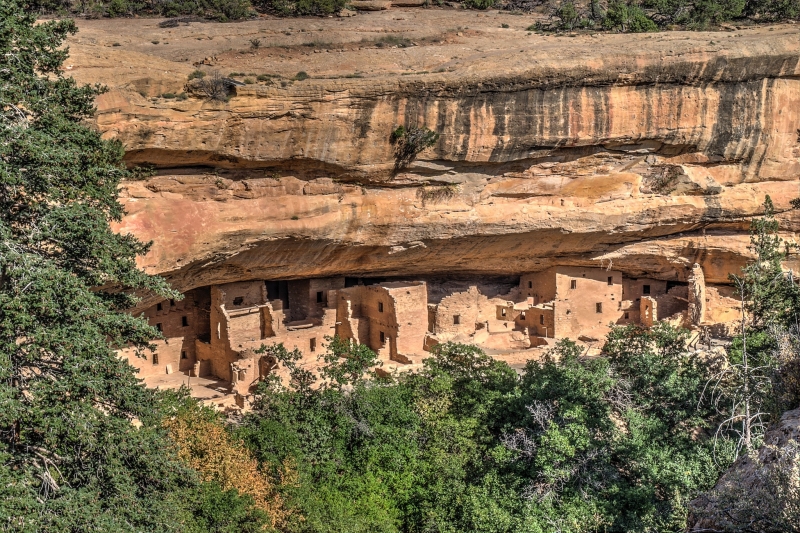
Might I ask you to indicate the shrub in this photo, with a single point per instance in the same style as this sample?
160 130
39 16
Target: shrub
197 74
478 4
300 76
504 25
255 43
214 87
169 95
627 18
249 81
264 77
287 8
410 142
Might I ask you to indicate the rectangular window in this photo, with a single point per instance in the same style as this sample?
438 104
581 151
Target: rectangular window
610 280
456 320
502 312
319 297
541 320
159 327
573 284
522 316
380 307
383 337
645 289
238 300
598 307
171 302
312 344
627 315
159 307
183 355
184 321
155 358
530 284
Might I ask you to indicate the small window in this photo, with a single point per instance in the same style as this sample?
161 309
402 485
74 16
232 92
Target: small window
184 321
610 280
598 307
159 327
645 289
172 302
312 345
530 284
319 297
183 355
456 320
159 307
383 337
155 358
573 284
627 315
380 310
238 300
522 316
502 312
541 320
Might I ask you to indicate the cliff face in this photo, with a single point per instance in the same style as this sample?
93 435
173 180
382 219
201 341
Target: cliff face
648 153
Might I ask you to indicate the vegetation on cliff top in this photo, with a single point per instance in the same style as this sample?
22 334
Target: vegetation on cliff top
597 15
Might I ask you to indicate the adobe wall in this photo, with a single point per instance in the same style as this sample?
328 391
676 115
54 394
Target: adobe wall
473 310
178 349
674 302
539 321
648 311
633 288
541 286
309 297
410 305
576 309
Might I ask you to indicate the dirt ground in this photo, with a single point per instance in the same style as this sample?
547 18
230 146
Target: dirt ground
371 45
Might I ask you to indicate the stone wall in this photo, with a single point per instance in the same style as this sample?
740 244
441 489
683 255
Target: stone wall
587 300
181 323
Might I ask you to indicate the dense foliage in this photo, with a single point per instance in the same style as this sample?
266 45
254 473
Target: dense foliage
467 444
83 447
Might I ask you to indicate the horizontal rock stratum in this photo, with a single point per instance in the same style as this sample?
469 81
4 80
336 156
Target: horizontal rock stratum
645 152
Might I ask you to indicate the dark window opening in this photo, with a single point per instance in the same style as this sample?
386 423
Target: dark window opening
155 358
380 307
159 327
541 320
573 284
319 297
610 280
503 312
627 315
312 344
183 355
598 307
383 337
522 316
159 307
184 321
530 284
171 302
456 320
238 300
645 289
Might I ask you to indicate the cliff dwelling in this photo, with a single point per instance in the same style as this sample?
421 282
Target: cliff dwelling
215 331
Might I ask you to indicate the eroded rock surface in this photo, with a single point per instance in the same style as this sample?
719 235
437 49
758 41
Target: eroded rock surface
645 154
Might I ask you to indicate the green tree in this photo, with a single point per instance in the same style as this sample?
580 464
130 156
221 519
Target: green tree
70 457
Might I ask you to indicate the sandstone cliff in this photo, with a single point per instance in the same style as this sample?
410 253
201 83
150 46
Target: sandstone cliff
646 152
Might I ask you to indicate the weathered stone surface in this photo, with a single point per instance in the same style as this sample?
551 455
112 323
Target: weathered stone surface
649 153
